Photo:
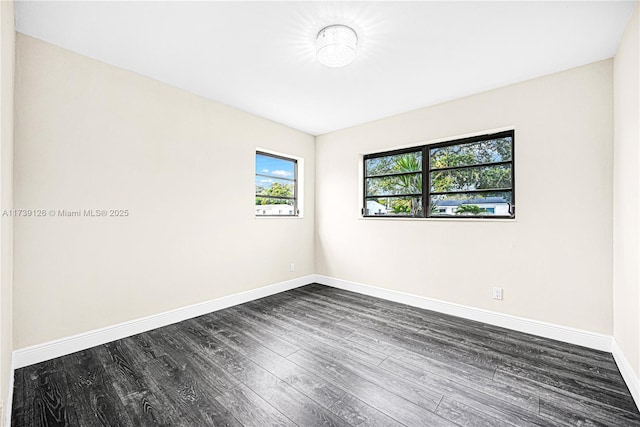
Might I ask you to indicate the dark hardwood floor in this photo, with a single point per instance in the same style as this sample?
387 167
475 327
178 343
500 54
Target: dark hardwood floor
321 356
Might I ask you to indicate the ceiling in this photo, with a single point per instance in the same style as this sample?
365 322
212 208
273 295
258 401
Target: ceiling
260 57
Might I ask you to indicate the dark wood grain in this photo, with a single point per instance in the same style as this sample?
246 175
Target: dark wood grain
124 367
46 396
17 411
391 404
293 404
308 336
95 400
252 410
464 415
489 402
463 385
358 413
326 394
320 356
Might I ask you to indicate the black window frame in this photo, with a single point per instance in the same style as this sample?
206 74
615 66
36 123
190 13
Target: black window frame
296 210
426 171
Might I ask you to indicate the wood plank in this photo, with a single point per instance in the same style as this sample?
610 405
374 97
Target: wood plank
260 334
199 379
394 310
396 384
295 405
305 320
312 386
407 346
374 395
464 339
449 382
370 343
429 363
47 396
503 410
211 321
214 378
561 414
584 385
570 403
95 400
18 404
464 415
194 403
326 394
251 410
358 413
125 369
444 347
310 337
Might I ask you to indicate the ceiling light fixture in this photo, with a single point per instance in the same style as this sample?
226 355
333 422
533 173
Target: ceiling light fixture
336 46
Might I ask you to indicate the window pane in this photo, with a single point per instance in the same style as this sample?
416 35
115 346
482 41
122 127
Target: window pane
391 185
396 206
274 187
473 178
274 166
491 151
474 204
267 206
398 163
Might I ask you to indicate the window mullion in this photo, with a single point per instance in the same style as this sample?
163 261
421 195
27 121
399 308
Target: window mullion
426 182
295 188
477 165
392 196
479 190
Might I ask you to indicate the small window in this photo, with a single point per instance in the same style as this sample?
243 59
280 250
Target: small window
276 185
472 177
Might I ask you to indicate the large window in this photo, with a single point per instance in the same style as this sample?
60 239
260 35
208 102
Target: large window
276 185
471 177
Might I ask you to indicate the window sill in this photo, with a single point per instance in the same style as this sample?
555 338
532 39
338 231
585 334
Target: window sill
485 220
278 217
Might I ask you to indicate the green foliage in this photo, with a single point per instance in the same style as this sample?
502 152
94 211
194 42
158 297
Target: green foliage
410 182
471 179
401 206
471 154
491 151
406 171
409 162
276 189
470 210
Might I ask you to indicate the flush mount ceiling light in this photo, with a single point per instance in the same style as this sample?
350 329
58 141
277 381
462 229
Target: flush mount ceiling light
336 46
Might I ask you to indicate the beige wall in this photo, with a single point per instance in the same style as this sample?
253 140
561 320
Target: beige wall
7 61
554 261
626 195
92 136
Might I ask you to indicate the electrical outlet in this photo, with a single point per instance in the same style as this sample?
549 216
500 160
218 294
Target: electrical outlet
497 293
292 267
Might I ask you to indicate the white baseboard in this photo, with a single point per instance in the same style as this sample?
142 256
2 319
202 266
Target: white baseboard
8 404
50 350
628 374
534 327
